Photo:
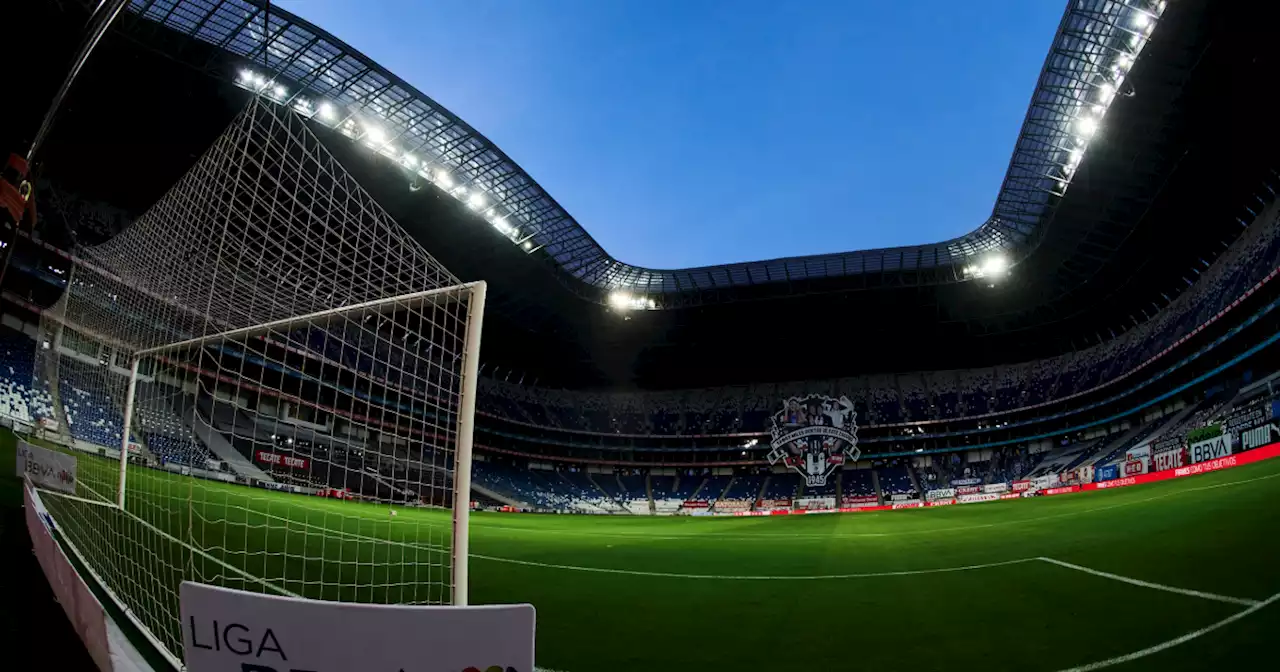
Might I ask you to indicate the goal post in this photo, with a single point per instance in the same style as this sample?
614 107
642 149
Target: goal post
397 316
289 379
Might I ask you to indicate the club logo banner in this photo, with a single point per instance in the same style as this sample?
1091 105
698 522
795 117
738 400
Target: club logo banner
814 436
942 493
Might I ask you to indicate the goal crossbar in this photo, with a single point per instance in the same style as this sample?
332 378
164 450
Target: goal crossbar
275 324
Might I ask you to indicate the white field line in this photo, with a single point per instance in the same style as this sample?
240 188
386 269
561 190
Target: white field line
1155 586
1129 657
170 537
711 535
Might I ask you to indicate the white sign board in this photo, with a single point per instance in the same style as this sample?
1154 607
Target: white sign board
46 468
226 630
1210 449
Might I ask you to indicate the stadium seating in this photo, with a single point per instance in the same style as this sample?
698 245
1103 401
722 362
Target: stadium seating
896 481
887 399
20 399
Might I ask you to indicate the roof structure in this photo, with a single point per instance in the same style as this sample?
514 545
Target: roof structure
300 65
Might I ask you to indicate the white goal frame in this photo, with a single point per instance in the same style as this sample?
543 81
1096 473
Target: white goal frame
460 547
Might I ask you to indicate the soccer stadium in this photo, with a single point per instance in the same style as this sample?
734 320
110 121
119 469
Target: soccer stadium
275 321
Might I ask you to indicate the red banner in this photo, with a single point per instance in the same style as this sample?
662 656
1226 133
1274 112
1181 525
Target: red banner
695 504
968 489
282 460
1249 457
1063 491
860 499
1170 459
908 505
1019 486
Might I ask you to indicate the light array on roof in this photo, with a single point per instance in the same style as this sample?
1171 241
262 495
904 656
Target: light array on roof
1133 26
994 267
625 301
1089 60
370 131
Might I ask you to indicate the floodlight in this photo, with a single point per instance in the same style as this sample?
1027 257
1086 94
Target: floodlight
326 111
246 75
410 160
374 135
1106 91
443 179
527 245
995 266
501 224
1087 126
620 300
280 91
476 200
1140 19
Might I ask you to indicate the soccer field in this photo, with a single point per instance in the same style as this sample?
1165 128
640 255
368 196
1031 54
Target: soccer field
1045 584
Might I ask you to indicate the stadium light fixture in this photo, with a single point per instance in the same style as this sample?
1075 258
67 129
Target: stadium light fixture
1106 91
527 245
995 266
443 179
1087 126
620 300
409 160
476 201
280 91
1141 19
374 135
326 111
246 76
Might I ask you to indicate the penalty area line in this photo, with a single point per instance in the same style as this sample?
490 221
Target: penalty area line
1154 586
1163 646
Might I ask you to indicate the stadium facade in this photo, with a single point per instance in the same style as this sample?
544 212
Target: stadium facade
1121 292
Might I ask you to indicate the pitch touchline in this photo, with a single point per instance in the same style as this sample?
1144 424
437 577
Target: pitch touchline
1129 657
857 535
1154 586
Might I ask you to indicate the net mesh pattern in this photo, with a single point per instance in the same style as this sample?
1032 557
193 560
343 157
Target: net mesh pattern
291 339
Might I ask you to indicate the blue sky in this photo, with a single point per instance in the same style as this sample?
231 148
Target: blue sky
691 132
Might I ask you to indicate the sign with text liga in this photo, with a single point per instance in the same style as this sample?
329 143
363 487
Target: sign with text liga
225 630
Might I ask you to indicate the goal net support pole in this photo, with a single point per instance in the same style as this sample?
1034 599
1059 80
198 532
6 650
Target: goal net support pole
462 455
124 439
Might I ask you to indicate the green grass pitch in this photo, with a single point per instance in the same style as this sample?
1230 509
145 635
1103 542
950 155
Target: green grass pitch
833 592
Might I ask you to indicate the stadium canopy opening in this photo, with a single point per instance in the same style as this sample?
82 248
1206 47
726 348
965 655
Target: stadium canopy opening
1130 109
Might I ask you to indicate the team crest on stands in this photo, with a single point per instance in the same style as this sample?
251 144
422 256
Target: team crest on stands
814 435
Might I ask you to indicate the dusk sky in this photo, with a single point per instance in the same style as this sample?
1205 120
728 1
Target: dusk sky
684 133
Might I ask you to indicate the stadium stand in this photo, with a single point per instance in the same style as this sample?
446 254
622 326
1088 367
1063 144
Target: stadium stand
883 399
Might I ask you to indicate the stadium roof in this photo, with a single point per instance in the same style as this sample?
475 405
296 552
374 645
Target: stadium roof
300 65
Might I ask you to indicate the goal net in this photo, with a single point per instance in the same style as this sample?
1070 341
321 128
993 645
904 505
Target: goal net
290 377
